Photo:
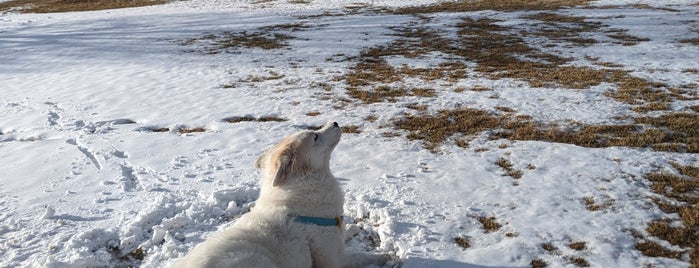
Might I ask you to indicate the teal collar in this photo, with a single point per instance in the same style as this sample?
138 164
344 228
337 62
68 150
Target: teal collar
337 222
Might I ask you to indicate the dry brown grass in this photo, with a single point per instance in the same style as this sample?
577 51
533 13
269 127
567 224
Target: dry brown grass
247 118
505 5
503 54
263 40
538 263
188 130
435 129
579 261
490 224
677 131
564 28
623 38
680 195
463 242
693 41
577 246
590 204
261 78
593 205
505 164
157 129
268 37
55 6
652 249
369 78
549 247
351 129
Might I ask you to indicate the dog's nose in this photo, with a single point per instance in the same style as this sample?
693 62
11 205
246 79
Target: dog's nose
335 124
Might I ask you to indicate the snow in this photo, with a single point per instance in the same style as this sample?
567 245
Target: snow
84 180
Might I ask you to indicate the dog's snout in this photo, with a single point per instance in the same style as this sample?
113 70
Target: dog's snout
335 124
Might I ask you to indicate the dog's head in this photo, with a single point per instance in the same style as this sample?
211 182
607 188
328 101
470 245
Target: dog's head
300 154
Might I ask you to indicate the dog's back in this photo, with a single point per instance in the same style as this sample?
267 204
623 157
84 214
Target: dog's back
256 240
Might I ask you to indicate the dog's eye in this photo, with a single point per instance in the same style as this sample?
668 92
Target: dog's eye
316 137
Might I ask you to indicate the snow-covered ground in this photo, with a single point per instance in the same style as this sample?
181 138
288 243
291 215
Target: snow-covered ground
86 182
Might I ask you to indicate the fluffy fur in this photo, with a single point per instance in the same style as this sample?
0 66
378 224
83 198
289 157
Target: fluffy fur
296 181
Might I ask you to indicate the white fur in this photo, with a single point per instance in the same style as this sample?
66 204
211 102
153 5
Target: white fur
296 181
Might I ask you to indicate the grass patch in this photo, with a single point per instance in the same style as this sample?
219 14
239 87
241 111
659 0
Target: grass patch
187 130
579 261
261 78
268 37
678 131
500 53
577 246
56 6
652 249
490 224
248 118
564 28
622 37
549 247
153 129
137 254
538 263
508 5
693 41
435 129
261 40
680 194
372 79
463 242
505 164
351 129
590 204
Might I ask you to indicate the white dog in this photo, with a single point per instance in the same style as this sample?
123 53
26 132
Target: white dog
296 221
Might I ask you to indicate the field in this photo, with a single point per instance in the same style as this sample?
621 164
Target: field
476 133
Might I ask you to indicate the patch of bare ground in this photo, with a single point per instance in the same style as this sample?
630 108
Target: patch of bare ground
501 53
506 5
248 118
593 205
579 261
189 130
435 129
679 196
267 37
505 164
490 224
564 28
677 131
693 41
463 242
538 263
373 80
56 6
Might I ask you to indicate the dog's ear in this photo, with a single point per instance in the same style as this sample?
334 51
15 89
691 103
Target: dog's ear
261 161
284 165
289 164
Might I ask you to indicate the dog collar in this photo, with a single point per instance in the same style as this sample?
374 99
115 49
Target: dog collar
337 221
